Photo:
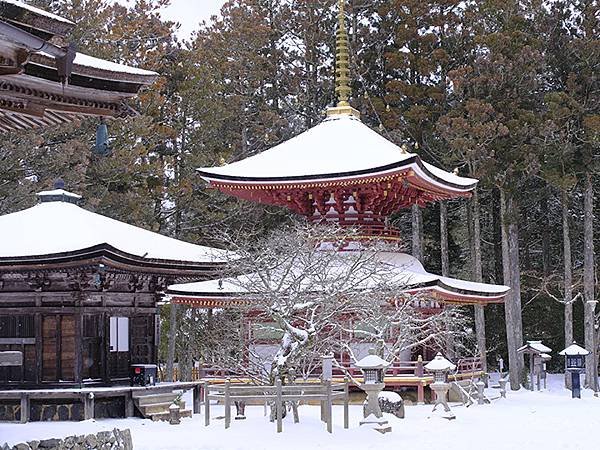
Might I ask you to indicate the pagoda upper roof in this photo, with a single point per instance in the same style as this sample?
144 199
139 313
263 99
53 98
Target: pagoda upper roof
404 269
57 228
341 147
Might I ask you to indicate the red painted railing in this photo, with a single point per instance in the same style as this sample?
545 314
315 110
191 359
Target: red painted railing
413 369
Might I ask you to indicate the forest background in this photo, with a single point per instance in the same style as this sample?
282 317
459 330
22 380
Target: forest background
504 91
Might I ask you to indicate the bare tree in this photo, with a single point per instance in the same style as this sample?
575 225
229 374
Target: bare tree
313 290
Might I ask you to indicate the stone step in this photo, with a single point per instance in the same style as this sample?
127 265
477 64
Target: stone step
139 393
166 415
155 398
154 408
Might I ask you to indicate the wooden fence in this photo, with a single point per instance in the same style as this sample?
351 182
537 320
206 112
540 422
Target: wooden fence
278 394
395 373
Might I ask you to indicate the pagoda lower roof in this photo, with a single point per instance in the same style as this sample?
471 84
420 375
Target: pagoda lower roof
407 270
340 150
58 230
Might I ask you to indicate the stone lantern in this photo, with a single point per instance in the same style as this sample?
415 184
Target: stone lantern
575 363
373 368
440 367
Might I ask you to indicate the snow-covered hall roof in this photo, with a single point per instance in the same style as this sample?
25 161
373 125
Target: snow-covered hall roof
56 227
407 270
339 147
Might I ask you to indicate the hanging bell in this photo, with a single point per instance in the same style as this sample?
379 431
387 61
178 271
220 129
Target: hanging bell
101 148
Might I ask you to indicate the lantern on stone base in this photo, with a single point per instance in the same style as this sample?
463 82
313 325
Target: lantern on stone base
440 367
373 368
575 364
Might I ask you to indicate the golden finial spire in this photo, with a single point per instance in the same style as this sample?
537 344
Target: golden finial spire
342 68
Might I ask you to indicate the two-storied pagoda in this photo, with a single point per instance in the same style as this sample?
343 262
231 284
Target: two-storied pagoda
344 172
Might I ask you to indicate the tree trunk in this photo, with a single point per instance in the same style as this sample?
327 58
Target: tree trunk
444 239
545 234
450 347
478 277
568 278
417 233
171 341
512 305
588 283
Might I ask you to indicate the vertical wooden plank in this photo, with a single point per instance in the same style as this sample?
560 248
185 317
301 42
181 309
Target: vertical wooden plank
346 401
129 406
420 393
25 408
58 341
278 405
78 347
38 348
105 346
206 404
329 411
196 399
227 404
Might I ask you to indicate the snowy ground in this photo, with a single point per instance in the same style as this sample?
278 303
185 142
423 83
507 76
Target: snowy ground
531 420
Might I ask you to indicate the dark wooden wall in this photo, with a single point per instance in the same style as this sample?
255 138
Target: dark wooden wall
61 322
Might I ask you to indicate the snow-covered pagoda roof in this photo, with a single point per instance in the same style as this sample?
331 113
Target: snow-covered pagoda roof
439 363
534 347
406 270
46 82
58 230
372 361
339 148
574 350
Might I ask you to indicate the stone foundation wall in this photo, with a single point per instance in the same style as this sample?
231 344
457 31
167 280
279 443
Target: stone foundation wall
48 410
104 440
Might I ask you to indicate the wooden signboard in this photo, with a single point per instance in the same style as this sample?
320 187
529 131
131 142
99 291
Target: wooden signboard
11 359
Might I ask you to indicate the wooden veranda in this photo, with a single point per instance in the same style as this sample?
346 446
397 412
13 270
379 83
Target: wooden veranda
401 374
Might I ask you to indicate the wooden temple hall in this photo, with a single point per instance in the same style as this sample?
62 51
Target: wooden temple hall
78 297
79 291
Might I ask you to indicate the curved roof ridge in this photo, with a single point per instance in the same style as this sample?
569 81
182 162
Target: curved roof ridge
339 146
60 227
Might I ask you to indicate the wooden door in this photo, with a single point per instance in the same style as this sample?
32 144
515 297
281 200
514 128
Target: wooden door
142 339
50 348
119 355
58 348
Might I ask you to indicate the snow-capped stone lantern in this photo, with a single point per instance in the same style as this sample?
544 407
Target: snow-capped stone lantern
373 368
575 363
440 367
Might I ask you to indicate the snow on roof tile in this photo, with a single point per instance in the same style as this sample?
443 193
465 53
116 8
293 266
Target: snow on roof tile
408 272
536 346
57 227
37 11
574 350
81 59
340 145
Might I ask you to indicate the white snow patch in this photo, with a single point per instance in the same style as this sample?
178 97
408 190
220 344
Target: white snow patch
38 11
338 145
535 420
58 227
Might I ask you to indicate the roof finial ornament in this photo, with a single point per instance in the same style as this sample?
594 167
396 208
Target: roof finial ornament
342 68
